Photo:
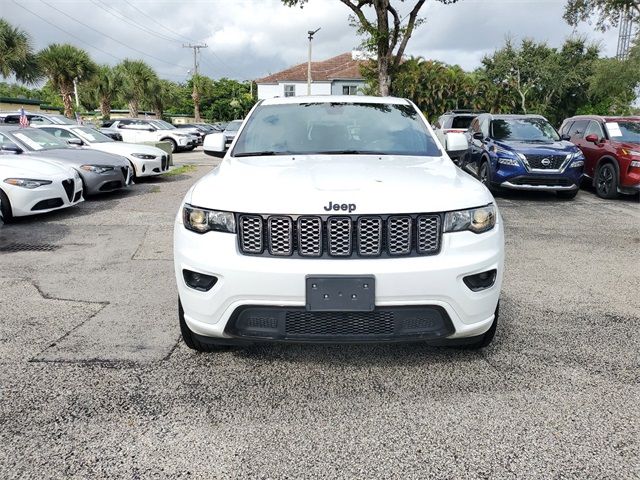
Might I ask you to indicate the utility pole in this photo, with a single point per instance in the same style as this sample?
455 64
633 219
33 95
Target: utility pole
196 94
311 34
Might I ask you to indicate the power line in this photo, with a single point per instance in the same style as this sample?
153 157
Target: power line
157 22
111 38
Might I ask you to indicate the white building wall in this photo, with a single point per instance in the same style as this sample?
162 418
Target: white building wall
272 91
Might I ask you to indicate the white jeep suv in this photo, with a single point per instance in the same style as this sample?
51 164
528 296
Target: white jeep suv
337 219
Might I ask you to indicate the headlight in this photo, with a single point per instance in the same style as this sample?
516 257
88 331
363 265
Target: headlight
96 168
182 135
507 157
143 156
631 153
200 220
26 182
477 220
577 160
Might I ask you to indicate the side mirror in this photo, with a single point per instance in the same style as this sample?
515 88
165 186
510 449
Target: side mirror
151 129
214 145
11 148
456 143
478 136
75 141
565 137
592 137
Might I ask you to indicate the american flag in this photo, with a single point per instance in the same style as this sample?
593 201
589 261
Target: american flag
24 121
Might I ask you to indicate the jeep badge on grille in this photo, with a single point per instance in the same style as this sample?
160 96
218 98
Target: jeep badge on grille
350 207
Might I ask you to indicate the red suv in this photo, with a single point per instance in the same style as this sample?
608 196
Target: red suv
611 147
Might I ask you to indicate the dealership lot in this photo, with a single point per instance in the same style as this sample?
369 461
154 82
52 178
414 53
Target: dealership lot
95 382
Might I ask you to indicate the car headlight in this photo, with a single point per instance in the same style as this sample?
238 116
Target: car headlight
182 135
26 182
96 168
631 153
476 220
577 160
200 220
507 157
144 156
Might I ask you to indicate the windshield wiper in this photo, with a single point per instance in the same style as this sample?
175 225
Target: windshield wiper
346 152
264 153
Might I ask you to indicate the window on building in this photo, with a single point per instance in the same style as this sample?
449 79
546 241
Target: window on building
349 90
289 90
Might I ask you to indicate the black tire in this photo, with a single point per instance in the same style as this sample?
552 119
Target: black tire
172 142
485 177
567 194
189 337
486 338
7 213
606 181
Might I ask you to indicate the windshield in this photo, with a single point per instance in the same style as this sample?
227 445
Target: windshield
524 130
61 120
462 122
335 128
36 140
626 131
91 135
233 126
162 125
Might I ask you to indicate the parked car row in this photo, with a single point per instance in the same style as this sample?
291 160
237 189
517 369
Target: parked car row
55 166
137 130
525 152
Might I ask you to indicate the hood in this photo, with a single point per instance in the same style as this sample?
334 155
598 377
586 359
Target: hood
122 148
307 185
30 167
533 148
81 156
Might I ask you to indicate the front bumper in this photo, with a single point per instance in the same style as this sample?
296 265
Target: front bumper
147 168
97 183
47 198
433 282
519 178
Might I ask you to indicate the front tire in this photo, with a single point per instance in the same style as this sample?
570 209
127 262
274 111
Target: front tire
607 181
189 337
172 143
7 213
484 175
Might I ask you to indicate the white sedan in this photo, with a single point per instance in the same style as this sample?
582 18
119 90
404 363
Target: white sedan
29 186
147 160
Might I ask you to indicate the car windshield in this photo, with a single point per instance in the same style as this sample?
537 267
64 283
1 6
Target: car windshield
335 128
92 135
524 130
233 126
462 122
624 131
36 140
162 125
61 120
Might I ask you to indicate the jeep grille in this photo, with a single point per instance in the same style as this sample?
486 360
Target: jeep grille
344 236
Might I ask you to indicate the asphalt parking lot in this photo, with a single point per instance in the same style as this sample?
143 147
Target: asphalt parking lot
95 382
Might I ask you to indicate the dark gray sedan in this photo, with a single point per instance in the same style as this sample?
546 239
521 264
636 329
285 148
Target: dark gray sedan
100 171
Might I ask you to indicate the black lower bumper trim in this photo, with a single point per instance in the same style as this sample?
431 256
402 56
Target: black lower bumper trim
297 325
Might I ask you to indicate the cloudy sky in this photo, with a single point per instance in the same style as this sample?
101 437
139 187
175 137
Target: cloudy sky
249 39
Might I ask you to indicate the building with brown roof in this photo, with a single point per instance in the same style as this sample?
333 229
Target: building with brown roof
339 75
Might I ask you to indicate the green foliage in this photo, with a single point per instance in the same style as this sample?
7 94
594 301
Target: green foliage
139 83
16 54
605 12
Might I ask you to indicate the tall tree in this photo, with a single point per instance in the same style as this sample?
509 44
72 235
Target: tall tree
139 81
64 63
386 33
17 57
606 12
164 94
104 87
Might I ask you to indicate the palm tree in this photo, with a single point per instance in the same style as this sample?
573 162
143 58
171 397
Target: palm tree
64 63
16 54
104 86
139 82
163 94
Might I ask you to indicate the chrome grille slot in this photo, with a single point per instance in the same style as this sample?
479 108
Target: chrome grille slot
399 235
280 236
339 236
369 236
251 240
310 236
428 234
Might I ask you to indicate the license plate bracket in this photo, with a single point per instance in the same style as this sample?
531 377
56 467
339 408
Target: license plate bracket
340 293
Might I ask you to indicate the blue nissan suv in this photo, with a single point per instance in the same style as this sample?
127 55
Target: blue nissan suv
523 152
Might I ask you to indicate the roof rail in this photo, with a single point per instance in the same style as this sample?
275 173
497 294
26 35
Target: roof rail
477 112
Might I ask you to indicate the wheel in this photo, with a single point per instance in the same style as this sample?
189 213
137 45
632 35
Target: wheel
567 194
485 177
607 181
486 338
5 206
172 142
189 337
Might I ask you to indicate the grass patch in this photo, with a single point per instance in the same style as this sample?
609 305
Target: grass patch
181 170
